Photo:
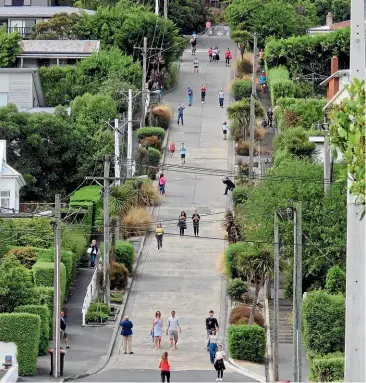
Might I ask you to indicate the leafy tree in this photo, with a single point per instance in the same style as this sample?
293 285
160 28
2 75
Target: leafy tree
340 10
336 280
9 47
15 284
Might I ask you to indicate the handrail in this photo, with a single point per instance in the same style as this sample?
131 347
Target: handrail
90 292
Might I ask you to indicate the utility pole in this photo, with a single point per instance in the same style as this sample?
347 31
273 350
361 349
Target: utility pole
354 369
276 289
156 7
129 134
57 288
143 88
165 9
117 154
252 109
106 281
297 290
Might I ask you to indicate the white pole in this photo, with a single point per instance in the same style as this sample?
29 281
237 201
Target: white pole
156 7
165 9
117 166
354 370
129 135
252 109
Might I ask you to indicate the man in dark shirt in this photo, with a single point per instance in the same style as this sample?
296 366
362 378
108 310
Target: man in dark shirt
211 324
229 185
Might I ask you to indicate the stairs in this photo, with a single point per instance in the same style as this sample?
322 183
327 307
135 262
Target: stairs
284 326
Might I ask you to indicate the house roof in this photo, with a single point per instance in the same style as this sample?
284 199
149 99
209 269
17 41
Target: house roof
49 110
339 73
340 25
31 11
335 97
59 48
5 169
331 28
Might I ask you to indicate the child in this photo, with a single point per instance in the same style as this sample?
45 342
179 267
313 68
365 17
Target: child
162 182
210 55
172 149
224 129
219 363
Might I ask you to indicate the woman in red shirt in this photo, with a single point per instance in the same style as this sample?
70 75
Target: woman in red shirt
228 56
203 93
210 55
172 149
164 366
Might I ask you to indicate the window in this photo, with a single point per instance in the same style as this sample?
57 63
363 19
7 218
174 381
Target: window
3 99
17 3
5 201
43 62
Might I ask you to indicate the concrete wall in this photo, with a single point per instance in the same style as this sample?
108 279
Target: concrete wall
11 375
8 348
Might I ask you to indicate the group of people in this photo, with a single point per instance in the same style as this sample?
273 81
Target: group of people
173 329
190 94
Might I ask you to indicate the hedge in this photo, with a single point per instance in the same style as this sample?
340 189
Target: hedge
44 296
231 254
43 275
239 195
305 112
247 343
328 368
150 131
241 89
310 53
26 255
154 156
335 282
90 193
323 318
236 288
125 253
44 315
24 330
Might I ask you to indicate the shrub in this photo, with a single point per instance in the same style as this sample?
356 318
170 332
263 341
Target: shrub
119 276
242 148
303 89
15 284
241 89
92 193
96 316
141 133
98 306
232 253
236 288
137 221
323 323
44 296
161 115
125 253
24 330
240 195
247 343
244 67
243 312
280 89
148 195
335 282
44 314
43 275
26 256
75 240
328 368
151 142
117 297
154 157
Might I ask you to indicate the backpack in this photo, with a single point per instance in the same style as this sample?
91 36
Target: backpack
190 92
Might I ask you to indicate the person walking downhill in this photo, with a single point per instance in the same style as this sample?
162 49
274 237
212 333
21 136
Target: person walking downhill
219 363
180 113
196 223
63 334
203 93
213 345
159 232
93 251
182 223
126 332
210 52
157 329
183 153
225 128
162 182
173 330
211 324
228 57
262 81
164 366
221 98
196 65
214 55
190 96
172 147
270 117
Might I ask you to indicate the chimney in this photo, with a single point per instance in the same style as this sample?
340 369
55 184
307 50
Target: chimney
329 19
333 84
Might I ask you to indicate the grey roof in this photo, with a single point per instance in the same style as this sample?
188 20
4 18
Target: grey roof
49 110
39 11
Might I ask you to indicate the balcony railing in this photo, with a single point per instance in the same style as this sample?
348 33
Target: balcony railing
23 31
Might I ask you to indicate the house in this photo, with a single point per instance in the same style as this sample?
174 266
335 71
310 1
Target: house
22 87
37 53
10 183
30 12
329 26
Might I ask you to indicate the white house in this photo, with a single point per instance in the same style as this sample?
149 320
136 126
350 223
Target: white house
10 183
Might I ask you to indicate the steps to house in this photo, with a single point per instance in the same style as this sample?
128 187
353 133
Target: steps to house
284 327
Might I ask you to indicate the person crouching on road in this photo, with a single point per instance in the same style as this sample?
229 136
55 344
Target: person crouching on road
159 236
229 185
126 332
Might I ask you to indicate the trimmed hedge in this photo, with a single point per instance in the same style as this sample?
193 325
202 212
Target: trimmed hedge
43 275
90 193
335 281
125 253
236 288
119 276
323 318
241 89
149 132
247 343
239 195
44 314
27 255
24 330
231 254
154 156
44 296
328 368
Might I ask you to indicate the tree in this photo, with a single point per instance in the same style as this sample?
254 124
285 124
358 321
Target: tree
15 284
9 47
242 39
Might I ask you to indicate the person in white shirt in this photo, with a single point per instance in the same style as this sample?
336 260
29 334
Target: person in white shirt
219 363
173 327
224 129
196 65
221 98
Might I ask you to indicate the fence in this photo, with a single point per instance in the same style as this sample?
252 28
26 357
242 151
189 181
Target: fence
90 293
